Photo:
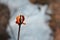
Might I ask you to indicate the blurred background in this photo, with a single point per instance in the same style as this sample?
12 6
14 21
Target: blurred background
36 27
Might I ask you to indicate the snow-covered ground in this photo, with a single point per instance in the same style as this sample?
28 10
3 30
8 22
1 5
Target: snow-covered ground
36 27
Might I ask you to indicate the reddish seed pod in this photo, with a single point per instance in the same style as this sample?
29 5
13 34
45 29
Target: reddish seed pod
20 19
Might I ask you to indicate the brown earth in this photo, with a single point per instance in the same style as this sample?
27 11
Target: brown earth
55 21
4 21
